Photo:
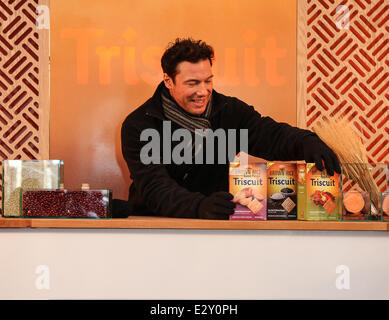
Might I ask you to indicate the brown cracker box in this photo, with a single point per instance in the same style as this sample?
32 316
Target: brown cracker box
281 191
317 194
248 186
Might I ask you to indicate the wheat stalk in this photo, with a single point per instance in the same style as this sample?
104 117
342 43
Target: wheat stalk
342 139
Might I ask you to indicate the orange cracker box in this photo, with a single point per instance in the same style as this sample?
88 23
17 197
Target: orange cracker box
281 191
317 194
248 186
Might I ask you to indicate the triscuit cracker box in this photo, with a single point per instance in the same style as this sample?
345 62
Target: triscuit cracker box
248 186
281 191
317 194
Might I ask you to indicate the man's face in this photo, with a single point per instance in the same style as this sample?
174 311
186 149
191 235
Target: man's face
192 87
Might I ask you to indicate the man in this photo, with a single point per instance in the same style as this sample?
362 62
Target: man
185 99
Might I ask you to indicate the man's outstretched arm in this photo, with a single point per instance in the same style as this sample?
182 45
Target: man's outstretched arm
273 140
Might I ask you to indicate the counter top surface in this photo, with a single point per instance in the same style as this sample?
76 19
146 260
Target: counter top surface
136 222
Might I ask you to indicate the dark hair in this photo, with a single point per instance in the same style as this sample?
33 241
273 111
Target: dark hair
185 50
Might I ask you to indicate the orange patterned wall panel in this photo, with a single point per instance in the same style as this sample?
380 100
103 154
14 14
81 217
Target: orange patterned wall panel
343 68
24 79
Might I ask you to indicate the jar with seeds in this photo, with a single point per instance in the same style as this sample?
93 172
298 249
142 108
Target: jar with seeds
64 203
28 174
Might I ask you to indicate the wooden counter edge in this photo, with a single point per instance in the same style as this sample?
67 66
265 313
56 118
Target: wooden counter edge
14 223
196 224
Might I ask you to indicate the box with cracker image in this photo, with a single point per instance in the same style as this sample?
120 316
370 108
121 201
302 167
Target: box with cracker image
317 194
247 183
281 191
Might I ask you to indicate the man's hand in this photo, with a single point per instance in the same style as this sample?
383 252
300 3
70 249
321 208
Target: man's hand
217 206
315 151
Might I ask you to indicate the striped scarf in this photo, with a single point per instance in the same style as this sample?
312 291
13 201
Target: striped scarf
186 120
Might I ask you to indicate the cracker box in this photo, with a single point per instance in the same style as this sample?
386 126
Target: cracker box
281 191
248 186
317 194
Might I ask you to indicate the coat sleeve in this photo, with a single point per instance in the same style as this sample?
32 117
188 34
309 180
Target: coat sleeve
272 140
161 194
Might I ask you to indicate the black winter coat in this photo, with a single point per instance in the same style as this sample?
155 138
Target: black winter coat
176 190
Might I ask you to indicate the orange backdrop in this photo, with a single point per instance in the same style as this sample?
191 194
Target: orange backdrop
105 62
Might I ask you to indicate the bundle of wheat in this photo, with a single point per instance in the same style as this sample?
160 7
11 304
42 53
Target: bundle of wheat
342 139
